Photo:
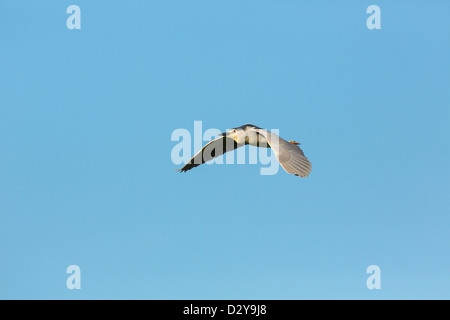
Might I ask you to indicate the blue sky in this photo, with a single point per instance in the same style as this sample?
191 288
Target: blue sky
86 176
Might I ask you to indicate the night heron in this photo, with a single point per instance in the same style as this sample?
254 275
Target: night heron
288 153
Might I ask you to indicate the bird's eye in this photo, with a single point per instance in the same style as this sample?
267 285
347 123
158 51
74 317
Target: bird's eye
234 130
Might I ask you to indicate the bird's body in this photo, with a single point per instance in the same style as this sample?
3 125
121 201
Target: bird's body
290 156
248 135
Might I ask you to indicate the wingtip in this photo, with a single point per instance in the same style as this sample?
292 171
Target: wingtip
302 176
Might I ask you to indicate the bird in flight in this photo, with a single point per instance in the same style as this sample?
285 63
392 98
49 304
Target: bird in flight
288 153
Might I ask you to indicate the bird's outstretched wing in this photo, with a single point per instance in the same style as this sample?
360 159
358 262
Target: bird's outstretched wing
290 156
211 150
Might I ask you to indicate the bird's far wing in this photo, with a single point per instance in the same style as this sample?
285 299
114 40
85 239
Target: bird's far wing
290 156
211 150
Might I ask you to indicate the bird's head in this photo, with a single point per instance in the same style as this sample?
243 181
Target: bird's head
237 134
241 134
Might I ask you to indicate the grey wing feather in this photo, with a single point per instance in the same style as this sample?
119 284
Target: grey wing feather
211 150
290 156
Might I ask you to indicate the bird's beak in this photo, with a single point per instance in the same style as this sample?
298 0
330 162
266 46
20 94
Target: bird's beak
223 134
